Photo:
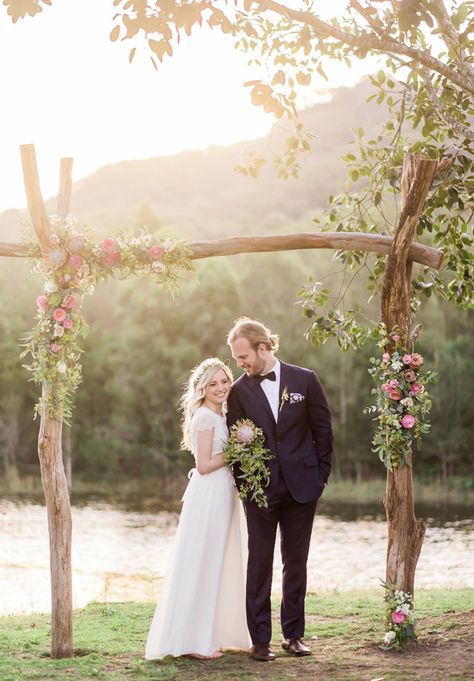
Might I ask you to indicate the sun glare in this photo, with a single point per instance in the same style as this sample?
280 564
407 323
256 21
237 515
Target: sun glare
73 93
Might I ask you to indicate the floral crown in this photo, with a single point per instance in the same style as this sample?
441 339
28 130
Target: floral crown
207 364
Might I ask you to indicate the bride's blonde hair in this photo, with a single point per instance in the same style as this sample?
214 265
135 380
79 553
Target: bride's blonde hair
195 392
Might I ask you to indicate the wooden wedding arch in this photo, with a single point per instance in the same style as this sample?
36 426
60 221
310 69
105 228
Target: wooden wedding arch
405 532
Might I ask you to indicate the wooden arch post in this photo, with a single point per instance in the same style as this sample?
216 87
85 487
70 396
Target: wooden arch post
405 532
50 432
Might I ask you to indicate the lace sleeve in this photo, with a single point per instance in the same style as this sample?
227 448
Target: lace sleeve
203 420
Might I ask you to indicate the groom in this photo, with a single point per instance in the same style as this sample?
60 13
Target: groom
289 404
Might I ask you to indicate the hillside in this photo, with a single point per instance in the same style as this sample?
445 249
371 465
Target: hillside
199 194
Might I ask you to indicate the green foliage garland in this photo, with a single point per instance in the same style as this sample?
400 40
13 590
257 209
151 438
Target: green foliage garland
402 400
71 269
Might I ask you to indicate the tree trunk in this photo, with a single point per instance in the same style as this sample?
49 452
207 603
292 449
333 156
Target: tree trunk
405 532
60 531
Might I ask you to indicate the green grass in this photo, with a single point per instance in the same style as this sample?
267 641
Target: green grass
109 642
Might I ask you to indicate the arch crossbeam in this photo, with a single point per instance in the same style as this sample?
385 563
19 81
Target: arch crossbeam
344 241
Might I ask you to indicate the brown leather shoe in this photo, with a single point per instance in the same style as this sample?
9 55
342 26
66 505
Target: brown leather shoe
295 646
262 653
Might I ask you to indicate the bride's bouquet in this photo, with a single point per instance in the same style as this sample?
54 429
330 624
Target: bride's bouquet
245 448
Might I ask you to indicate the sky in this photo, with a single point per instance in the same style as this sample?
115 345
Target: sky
71 92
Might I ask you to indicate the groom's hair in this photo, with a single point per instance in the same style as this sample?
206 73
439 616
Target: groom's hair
255 332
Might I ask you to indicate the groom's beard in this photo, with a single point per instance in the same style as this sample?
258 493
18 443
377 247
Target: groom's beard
255 369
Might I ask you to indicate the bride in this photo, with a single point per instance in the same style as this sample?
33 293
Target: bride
201 608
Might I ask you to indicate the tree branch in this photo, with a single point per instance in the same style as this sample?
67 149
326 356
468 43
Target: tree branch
368 42
461 129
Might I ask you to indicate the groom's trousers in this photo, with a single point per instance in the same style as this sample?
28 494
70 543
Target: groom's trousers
296 523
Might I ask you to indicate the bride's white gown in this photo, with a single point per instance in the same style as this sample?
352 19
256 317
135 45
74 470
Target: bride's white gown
202 604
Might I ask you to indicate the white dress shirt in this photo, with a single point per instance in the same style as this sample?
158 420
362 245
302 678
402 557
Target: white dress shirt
272 389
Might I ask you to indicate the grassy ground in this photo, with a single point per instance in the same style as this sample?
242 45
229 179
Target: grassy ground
109 641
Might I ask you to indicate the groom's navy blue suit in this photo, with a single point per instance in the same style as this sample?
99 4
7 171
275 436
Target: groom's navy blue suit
301 444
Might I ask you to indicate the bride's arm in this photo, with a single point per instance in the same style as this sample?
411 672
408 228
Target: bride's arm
205 463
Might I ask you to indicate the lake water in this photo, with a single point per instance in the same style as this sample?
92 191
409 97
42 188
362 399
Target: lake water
121 555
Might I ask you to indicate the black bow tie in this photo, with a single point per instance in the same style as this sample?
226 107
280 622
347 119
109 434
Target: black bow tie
271 376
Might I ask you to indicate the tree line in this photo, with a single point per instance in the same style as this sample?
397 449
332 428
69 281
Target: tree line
143 343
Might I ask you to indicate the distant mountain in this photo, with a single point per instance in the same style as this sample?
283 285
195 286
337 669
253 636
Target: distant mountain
198 194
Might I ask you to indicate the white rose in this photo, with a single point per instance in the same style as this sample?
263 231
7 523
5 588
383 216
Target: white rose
158 266
389 637
58 331
50 287
405 609
61 367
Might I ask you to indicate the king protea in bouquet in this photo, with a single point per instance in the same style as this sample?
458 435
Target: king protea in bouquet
245 449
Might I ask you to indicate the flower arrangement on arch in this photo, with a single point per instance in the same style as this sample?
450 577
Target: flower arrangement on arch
399 617
73 266
245 449
402 400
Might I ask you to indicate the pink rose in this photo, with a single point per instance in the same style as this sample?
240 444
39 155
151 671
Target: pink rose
395 394
110 245
70 302
410 375
416 361
406 359
156 252
385 357
395 337
386 387
42 302
415 388
75 261
54 347
398 617
408 421
59 315
110 258
68 323
393 383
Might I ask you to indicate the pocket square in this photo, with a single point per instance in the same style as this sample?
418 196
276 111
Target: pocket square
296 397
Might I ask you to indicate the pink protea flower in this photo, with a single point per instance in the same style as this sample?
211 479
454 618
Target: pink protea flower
42 302
398 617
54 347
75 261
245 433
395 337
76 244
395 394
68 323
156 252
410 375
59 315
109 245
385 357
110 259
70 302
416 361
408 421
406 359
415 388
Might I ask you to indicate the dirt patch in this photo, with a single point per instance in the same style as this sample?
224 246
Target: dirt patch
444 652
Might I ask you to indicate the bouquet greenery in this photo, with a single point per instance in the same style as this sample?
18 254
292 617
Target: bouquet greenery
245 448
